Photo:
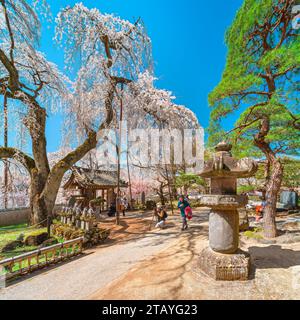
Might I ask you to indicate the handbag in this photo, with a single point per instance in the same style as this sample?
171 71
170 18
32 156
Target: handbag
189 213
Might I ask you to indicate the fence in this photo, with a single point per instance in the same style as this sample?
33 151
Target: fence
34 260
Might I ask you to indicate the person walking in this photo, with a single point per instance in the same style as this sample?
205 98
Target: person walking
125 204
182 205
122 207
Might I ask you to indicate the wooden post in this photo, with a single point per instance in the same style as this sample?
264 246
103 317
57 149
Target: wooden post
102 204
119 145
5 111
49 222
107 203
129 181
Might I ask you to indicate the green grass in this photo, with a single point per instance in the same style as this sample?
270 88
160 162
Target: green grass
17 252
11 233
13 228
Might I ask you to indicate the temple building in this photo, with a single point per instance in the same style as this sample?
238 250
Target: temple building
87 185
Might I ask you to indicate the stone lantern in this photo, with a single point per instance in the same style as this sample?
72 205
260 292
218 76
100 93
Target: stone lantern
223 260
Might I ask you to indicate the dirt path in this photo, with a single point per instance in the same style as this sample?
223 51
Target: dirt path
174 274
162 265
80 278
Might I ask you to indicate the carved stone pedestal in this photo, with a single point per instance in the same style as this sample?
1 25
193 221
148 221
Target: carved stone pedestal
225 267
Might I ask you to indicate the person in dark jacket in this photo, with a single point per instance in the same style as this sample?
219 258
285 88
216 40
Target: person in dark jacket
112 210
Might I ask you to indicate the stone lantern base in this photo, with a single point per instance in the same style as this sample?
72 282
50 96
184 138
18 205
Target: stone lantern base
225 267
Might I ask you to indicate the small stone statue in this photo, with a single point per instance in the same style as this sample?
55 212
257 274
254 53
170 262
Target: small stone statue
85 213
91 212
74 208
78 212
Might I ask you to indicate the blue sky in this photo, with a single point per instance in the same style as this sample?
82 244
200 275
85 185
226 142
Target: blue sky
188 46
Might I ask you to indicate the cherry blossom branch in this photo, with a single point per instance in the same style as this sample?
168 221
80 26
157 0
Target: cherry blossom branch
23 158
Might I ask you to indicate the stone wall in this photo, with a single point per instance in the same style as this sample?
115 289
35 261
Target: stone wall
12 217
16 216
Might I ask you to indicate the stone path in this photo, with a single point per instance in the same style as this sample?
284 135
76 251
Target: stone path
80 278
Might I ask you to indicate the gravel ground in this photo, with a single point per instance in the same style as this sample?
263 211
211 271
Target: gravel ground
80 278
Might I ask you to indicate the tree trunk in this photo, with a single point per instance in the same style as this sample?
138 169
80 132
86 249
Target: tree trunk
39 212
37 204
43 198
129 182
6 182
161 194
162 199
272 191
274 176
170 191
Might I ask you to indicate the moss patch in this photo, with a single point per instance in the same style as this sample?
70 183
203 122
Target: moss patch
256 233
12 233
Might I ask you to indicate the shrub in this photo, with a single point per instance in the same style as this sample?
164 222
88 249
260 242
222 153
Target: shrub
77 234
36 238
92 237
49 242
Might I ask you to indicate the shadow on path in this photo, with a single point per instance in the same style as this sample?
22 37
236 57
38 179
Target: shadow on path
169 272
274 257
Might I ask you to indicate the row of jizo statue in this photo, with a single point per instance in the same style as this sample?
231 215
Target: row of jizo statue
78 217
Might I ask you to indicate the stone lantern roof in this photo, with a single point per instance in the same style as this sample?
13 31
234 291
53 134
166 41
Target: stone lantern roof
223 165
